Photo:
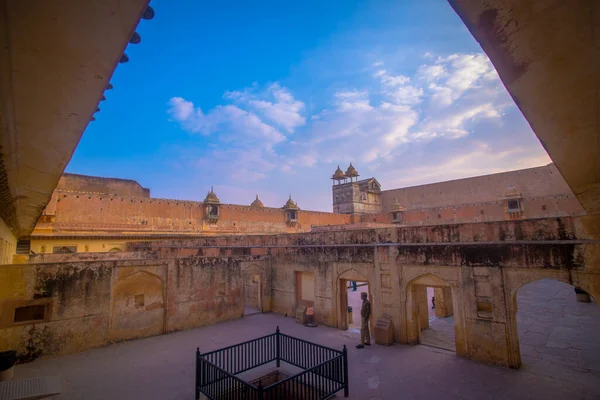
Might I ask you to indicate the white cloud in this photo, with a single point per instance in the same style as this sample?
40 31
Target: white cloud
406 95
276 104
450 77
181 109
389 126
431 72
351 94
452 125
392 80
230 121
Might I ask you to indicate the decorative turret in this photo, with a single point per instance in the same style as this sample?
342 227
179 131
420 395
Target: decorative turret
514 203
211 197
396 210
338 175
291 211
396 206
211 203
290 204
351 172
512 193
257 203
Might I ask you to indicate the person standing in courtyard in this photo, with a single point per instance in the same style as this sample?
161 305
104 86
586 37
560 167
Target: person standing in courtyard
365 314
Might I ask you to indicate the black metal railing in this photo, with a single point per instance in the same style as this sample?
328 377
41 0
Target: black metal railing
325 369
244 356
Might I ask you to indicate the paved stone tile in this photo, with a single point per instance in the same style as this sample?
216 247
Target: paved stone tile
534 338
566 345
440 333
162 368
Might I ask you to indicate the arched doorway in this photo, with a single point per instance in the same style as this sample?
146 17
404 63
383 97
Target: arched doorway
343 286
424 326
557 334
138 306
253 287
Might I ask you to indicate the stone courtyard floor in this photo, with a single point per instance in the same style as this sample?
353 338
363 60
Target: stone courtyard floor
557 335
162 367
440 333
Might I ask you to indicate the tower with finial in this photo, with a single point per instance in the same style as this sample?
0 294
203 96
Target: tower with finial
352 173
396 210
351 196
291 211
338 176
257 203
212 203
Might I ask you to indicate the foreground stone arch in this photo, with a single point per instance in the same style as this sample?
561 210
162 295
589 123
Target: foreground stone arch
519 280
416 309
137 307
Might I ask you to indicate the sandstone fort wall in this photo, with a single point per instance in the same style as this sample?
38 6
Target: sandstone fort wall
531 182
102 213
164 286
117 186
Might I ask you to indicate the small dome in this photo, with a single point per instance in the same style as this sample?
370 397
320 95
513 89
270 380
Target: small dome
290 204
396 206
257 203
512 193
211 197
338 175
351 172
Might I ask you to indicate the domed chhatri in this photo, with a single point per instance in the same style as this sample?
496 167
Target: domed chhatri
396 206
351 172
211 197
257 203
290 204
512 193
338 175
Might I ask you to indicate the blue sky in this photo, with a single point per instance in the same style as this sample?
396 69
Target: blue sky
269 97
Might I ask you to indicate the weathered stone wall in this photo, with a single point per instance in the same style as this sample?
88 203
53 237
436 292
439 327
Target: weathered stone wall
96 184
498 231
189 283
93 303
481 265
564 205
8 243
531 182
100 222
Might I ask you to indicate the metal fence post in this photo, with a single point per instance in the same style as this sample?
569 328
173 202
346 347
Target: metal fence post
277 347
197 373
345 357
260 390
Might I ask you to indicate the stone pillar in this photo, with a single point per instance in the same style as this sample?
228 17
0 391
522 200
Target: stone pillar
443 302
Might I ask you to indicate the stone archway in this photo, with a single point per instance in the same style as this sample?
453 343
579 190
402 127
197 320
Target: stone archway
138 307
556 334
521 279
417 309
254 283
341 284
